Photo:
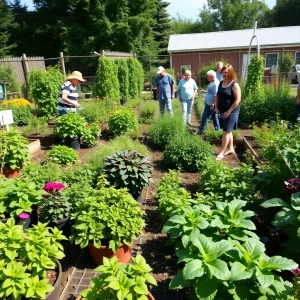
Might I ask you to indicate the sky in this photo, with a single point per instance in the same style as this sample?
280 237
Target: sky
186 8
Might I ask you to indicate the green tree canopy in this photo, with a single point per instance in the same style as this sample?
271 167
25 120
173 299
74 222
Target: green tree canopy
286 13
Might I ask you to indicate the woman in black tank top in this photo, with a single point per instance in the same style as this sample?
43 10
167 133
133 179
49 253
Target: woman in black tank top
228 108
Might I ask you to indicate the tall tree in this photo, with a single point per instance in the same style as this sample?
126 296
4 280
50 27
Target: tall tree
6 25
181 25
232 14
162 27
286 13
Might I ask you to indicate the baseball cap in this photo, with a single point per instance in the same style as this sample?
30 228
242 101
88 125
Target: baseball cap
160 69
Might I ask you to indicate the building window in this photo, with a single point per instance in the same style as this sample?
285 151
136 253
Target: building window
297 58
271 59
183 68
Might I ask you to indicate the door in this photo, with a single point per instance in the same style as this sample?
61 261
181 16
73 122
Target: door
246 62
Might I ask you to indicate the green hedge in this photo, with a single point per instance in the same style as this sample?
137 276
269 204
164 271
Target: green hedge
123 77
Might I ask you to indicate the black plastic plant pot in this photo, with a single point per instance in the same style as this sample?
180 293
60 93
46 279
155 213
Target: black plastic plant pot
55 294
60 223
73 143
123 101
25 223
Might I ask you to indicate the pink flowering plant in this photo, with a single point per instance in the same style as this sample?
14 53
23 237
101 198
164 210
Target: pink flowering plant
56 205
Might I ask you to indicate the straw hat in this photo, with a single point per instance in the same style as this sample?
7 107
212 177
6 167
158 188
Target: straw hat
76 75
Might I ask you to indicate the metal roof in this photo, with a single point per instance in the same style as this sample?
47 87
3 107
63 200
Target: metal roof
234 39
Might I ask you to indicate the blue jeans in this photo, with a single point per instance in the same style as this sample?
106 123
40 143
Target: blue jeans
207 114
163 103
186 105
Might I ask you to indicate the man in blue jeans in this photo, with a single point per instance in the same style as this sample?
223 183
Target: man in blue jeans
187 90
164 90
210 103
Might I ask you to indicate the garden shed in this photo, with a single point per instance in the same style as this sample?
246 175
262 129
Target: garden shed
197 49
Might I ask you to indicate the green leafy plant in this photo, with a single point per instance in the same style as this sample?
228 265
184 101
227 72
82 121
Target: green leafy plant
95 130
255 72
36 126
211 133
148 113
70 125
128 169
110 214
123 121
108 84
55 205
17 196
88 138
43 88
119 281
134 102
14 149
187 152
22 114
133 88
63 155
123 77
25 258
163 130
224 183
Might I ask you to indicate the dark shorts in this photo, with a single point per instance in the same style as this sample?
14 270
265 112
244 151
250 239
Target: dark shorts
231 122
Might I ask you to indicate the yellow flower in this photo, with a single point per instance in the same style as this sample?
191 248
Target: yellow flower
17 103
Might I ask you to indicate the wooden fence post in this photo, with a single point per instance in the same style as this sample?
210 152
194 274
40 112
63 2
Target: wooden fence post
25 67
62 62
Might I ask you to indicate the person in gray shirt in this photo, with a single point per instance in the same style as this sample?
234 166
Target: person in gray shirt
218 73
210 103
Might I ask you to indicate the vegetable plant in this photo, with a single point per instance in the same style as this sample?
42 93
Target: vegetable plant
88 138
17 196
123 121
14 151
128 169
110 214
70 125
63 155
119 281
25 258
149 111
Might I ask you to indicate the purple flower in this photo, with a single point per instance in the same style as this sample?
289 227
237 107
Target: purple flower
293 185
296 272
53 187
24 216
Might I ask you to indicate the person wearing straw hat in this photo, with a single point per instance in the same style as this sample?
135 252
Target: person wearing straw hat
68 97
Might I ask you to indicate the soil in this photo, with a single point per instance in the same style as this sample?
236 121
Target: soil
51 276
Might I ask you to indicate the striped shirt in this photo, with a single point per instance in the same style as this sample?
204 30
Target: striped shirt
70 90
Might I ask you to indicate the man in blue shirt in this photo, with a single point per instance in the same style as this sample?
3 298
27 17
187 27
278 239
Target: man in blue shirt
210 103
164 90
187 90
218 73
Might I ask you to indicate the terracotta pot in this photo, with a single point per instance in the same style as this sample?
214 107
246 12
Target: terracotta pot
10 173
123 254
54 295
150 297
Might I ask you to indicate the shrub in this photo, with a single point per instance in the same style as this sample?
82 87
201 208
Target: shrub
128 169
118 144
14 151
133 89
36 126
148 113
21 115
285 62
134 102
63 155
123 121
108 84
44 89
7 76
70 125
164 129
123 77
187 152
139 76
88 138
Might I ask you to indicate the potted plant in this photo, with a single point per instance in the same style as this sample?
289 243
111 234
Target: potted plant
55 207
95 130
128 169
14 152
70 127
107 222
18 196
121 281
26 258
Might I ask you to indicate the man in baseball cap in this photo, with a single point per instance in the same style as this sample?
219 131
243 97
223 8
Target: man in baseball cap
164 90
68 97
